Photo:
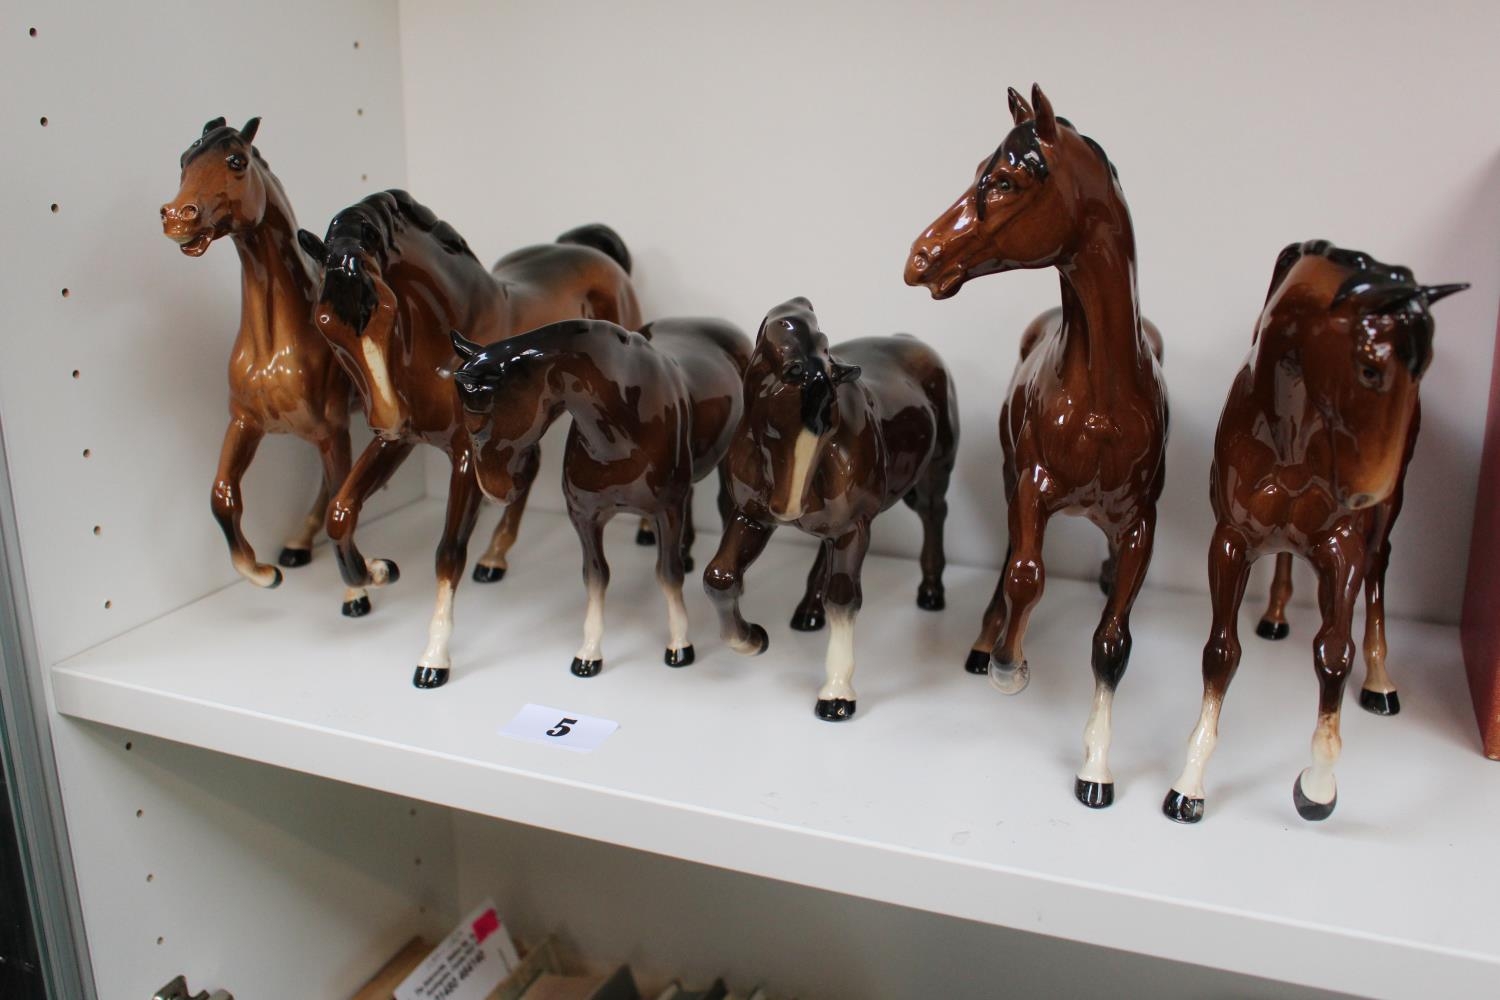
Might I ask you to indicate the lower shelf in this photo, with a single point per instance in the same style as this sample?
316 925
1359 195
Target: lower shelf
941 795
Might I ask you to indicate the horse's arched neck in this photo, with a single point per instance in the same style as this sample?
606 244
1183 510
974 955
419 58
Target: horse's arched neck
1101 311
572 368
1279 389
276 290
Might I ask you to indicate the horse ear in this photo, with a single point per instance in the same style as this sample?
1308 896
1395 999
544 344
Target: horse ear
1046 120
211 125
1373 298
251 127
1434 292
464 347
312 246
1020 111
841 373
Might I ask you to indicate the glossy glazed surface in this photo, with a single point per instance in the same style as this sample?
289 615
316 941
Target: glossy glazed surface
395 281
831 437
282 376
1084 424
652 414
1309 459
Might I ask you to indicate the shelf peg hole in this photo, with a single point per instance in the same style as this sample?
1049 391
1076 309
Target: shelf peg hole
98 530
44 121
150 877
108 605
32 33
87 452
54 208
66 293
139 813
129 745
75 372
161 940
359 111
356 41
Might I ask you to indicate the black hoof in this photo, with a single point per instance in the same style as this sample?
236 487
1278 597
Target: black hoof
586 668
679 657
430 677
292 558
357 608
761 640
1181 809
808 619
488 574
978 661
645 536
1307 808
1268 629
687 563
930 598
1094 794
1379 702
835 709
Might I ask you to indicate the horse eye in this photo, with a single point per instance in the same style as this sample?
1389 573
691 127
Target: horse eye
1371 376
1005 184
236 162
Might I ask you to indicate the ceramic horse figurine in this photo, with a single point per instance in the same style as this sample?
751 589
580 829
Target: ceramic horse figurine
652 414
395 280
283 378
1309 458
1084 425
832 437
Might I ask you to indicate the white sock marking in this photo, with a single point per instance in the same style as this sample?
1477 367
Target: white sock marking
593 625
440 630
1096 736
677 617
840 661
1200 747
1317 781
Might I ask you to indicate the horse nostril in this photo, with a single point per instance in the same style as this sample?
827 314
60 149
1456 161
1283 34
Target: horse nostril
189 211
164 213
920 261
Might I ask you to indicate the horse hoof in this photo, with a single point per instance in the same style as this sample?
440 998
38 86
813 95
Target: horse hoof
430 677
1180 809
645 536
488 574
759 639
1009 678
807 619
357 608
680 657
392 572
835 709
1307 808
276 579
978 661
1094 794
1379 702
586 668
1268 629
930 598
292 558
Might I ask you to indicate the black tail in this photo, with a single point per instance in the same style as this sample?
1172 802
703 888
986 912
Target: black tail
601 238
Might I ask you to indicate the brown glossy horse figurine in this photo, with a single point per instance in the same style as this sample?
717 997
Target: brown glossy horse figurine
652 414
1309 459
1084 425
395 281
832 437
282 375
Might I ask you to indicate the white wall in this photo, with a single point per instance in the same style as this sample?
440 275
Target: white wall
748 153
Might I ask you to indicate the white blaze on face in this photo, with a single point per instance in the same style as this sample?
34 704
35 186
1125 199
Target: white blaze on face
804 450
1200 747
1096 736
440 630
1317 781
840 662
382 396
677 618
593 624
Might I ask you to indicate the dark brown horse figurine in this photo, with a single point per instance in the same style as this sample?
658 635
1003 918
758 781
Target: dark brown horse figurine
396 280
1309 459
652 414
282 375
1084 426
832 437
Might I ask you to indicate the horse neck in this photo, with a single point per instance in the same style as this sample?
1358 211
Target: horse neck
1279 390
1101 311
275 286
572 361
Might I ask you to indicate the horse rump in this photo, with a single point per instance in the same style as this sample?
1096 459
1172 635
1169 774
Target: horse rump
601 238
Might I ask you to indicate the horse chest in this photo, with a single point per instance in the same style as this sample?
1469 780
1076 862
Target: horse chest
285 389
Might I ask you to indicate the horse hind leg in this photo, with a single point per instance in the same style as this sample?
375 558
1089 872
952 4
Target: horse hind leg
671 532
930 500
589 659
1378 695
1273 623
297 551
493 564
1023 581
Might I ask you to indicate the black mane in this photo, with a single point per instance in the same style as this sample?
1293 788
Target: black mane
1022 147
373 227
215 136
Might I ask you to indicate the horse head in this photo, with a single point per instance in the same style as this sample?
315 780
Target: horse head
1359 333
1025 207
223 188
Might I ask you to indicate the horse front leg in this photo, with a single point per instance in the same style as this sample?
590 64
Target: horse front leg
671 564
492 565
241 439
1023 582
452 554
1378 695
1273 623
297 550
590 527
1095 785
842 599
376 464
724 582
334 451
1228 568
1340 562
810 615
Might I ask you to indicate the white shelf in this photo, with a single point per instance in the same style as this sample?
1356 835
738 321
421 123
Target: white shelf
941 795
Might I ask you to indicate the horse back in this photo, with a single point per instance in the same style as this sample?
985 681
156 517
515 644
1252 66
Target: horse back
549 282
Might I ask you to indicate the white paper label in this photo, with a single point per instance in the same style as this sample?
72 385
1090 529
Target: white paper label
468 964
569 730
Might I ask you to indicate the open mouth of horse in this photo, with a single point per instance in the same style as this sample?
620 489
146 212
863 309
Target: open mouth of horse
948 285
195 245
